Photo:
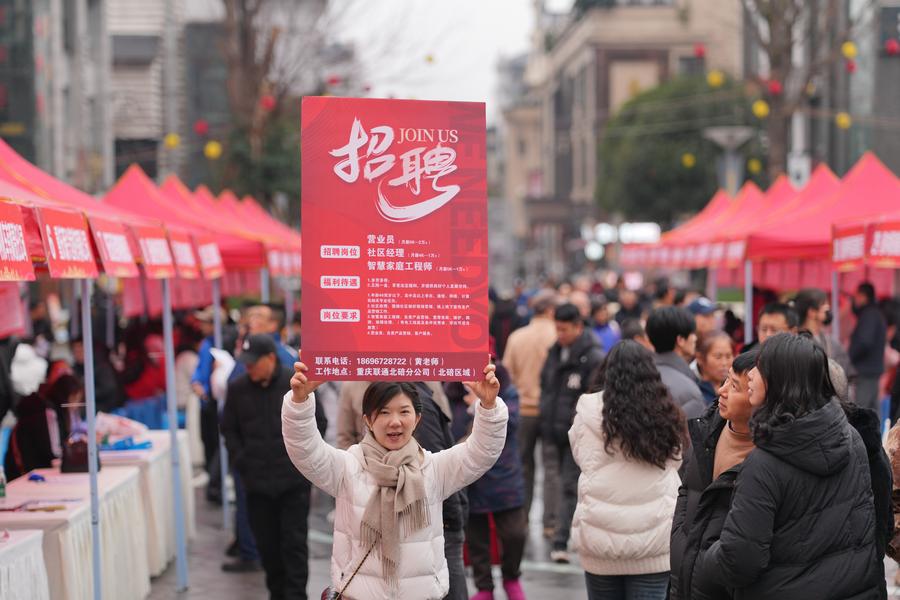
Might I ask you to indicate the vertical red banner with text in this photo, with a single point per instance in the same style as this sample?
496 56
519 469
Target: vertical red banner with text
395 239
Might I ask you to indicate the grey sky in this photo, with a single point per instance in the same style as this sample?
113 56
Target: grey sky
466 38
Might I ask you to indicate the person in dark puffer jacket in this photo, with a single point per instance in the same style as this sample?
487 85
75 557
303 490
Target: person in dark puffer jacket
721 442
802 521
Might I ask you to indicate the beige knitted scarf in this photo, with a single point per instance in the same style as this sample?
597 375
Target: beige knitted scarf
398 506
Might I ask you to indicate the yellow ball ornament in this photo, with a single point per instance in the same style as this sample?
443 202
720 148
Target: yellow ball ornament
172 141
212 150
688 160
848 49
760 109
715 78
843 120
754 165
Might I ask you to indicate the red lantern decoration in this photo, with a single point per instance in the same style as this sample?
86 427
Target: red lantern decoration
851 66
699 50
267 102
892 47
775 87
201 127
333 80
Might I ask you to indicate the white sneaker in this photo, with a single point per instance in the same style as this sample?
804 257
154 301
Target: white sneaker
559 556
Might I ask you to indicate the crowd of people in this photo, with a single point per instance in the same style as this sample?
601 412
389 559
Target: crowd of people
678 459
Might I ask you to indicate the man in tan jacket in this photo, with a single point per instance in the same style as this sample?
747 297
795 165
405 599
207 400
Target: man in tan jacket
524 357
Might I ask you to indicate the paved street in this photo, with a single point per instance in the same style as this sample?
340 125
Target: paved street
541 579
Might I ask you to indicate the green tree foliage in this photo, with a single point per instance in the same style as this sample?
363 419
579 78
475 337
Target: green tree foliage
277 169
641 174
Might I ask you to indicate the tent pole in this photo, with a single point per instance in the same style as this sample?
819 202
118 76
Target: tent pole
288 301
712 283
223 452
836 306
748 301
110 317
74 314
264 285
90 399
177 492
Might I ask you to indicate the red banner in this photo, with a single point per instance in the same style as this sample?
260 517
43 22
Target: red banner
210 258
275 261
884 245
848 246
67 244
112 244
183 253
12 311
395 246
158 263
15 264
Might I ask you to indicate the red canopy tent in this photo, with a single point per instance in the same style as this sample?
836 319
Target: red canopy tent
645 255
869 189
284 242
234 283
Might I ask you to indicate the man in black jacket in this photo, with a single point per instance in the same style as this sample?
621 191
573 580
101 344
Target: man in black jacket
867 346
433 433
566 375
708 479
277 494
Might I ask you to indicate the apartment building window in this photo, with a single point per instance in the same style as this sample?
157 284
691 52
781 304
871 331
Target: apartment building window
691 65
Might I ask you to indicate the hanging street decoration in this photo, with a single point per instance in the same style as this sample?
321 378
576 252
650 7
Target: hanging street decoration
760 109
172 141
688 160
843 120
201 127
715 78
212 150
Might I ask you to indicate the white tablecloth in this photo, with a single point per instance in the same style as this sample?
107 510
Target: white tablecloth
155 466
23 575
67 547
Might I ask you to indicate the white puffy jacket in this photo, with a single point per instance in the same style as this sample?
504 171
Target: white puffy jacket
422 571
623 520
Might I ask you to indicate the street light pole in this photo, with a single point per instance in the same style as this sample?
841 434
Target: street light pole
729 139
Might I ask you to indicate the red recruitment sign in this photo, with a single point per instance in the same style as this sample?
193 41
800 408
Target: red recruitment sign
848 247
15 264
158 263
210 259
113 247
183 253
394 231
66 244
884 245
12 311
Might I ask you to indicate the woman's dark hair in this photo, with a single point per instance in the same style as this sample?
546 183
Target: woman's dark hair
62 389
379 393
808 299
638 411
795 371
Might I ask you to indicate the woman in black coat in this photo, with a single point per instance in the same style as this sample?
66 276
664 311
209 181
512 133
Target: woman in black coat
802 520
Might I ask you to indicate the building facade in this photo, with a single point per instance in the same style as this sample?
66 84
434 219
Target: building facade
580 72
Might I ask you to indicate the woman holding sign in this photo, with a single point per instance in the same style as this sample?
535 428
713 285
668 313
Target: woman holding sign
388 530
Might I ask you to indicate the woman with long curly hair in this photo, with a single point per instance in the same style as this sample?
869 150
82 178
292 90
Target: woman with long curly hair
802 522
628 438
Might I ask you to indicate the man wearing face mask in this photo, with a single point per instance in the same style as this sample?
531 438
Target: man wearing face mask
814 311
867 345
